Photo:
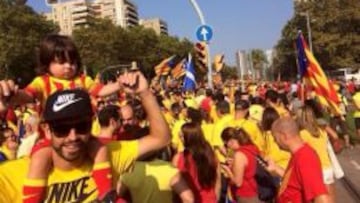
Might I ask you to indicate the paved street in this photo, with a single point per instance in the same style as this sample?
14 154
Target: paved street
350 161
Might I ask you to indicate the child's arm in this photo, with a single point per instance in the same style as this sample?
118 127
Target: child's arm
35 182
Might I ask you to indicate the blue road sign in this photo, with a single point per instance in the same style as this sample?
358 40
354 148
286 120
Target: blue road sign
204 33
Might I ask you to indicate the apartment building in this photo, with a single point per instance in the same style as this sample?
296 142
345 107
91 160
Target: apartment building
69 14
158 25
75 13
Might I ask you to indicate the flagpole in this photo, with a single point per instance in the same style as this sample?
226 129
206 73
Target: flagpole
302 86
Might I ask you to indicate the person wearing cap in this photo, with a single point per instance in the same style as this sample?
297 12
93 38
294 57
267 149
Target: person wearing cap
67 122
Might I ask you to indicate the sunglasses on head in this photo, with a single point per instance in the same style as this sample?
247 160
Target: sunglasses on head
63 130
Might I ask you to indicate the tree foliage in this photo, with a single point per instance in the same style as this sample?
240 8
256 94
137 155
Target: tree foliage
20 32
259 60
335 29
103 44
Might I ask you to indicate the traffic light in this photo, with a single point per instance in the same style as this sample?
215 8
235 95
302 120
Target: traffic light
201 56
218 62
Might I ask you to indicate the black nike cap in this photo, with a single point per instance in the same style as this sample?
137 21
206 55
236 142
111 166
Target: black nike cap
68 104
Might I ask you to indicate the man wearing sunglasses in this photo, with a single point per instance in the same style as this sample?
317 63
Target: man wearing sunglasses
68 116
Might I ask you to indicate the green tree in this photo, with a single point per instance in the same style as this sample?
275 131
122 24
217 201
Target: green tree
228 72
115 45
259 60
21 29
335 35
98 43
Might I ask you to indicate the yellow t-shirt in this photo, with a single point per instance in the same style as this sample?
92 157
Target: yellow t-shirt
150 181
356 99
319 145
175 133
74 185
273 151
169 118
213 113
219 127
281 110
252 129
207 129
95 127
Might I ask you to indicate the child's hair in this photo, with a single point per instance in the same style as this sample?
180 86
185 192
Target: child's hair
58 47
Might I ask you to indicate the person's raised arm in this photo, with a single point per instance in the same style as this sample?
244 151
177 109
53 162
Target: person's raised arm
159 137
10 94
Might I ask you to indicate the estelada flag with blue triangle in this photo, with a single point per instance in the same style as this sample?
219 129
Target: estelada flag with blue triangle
313 75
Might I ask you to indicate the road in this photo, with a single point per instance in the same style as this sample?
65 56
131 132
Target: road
348 189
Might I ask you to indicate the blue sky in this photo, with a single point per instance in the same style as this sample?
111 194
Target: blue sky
237 24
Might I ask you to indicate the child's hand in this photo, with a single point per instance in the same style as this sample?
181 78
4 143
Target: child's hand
133 82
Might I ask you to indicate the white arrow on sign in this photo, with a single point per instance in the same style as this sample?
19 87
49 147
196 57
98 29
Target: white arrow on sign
204 33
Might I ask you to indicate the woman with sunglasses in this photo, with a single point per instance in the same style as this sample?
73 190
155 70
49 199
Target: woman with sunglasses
241 171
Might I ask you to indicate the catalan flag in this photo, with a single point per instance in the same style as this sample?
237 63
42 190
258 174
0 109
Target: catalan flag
163 68
314 76
179 70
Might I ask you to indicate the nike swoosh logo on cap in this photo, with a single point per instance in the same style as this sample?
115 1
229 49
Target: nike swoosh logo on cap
59 107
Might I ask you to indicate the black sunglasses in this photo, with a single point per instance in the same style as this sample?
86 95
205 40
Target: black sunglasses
63 130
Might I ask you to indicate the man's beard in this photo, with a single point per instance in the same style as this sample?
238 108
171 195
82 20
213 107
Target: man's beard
61 150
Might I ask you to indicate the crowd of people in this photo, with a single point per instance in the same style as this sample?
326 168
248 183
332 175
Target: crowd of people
68 138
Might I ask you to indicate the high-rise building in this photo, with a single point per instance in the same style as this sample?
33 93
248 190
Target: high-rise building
242 63
103 9
74 13
69 14
126 14
158 25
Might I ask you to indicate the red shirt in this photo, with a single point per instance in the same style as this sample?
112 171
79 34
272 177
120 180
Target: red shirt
303 179
249 185
202 195
351 87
